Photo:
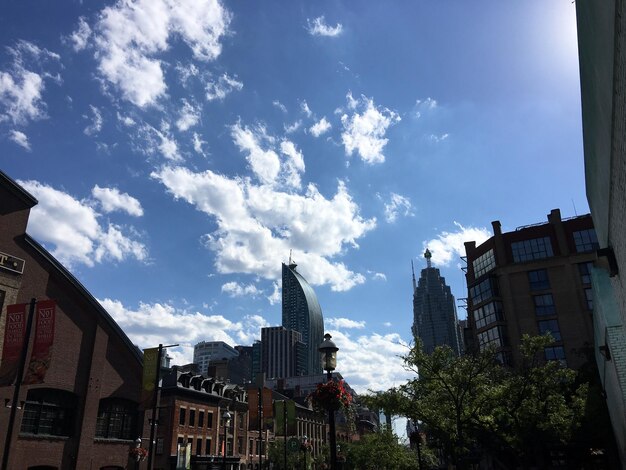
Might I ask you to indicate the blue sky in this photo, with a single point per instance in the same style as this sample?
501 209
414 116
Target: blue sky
179 149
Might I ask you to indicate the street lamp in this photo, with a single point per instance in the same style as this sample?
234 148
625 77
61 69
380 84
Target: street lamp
329 357
305 448
226 418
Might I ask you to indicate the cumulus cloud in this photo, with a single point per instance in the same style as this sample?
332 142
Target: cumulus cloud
130 37
449 245
20 139
111 200
80 37
318 27
397 205
345 323
258 223
150 324
234 289
198 144
158 141
364 132
378 276
304 107
95 119
290 129
320 127
218 90
276 296
74 229
21 87
189 116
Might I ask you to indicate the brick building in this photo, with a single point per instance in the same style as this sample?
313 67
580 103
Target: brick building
533 280
84 414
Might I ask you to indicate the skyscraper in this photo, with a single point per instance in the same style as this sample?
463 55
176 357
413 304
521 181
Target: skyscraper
283 352
302 313
434 311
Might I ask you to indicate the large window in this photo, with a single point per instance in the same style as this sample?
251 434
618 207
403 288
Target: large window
192 417
182 416
484 263
48 412
586 240
544 305
528 250
550 326
491 337
555 353
488 314
117 419
589 298
585 272
538 280
201 418
484 290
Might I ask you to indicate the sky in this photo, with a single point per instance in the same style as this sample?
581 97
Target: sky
180 150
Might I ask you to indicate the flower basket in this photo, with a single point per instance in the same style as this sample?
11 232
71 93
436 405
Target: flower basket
138 453
330 395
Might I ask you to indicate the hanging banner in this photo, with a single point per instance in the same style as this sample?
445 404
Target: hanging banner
253 409
14 331
150 359
268 408
42 344
285 417
291 418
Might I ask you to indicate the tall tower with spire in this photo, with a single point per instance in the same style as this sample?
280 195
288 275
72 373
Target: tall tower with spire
434 311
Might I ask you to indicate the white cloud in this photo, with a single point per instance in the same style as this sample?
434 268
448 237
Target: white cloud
126 120
80 37
424 105
345 323
185 72
21 88
449 245
234 289
438 138
111 199
276 296
397 205
294 164
129 38
320 127
189 116
265 164
364 133
74 228
222 87
258 224
96 121
151 324
20 139
280 106
158 141
198 143
318 27
378 276
304 107
387 324
290 129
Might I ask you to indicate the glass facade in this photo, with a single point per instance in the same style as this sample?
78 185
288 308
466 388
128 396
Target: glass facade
535 248
488 314
493 337
484 263
484 290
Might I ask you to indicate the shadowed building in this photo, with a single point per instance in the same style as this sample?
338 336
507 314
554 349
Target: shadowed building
302 313
434 311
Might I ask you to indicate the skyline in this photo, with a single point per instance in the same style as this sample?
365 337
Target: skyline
177 162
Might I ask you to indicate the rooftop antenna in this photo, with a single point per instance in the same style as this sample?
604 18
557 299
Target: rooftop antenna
575 213
428 255
413 271
289 256
292 264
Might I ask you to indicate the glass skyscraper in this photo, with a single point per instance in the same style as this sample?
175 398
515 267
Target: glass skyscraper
302 313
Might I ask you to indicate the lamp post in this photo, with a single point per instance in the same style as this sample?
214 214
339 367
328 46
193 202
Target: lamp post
226 419
329 357
137 445
305 441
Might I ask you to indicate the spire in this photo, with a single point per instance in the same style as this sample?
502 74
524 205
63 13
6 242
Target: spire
292 264
413 271
428 255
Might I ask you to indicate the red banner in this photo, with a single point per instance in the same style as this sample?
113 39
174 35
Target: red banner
42 345
253 409
14 330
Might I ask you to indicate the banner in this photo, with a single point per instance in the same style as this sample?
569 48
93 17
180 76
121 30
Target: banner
14 331
150 359
42 345
253 409
285 416
268 408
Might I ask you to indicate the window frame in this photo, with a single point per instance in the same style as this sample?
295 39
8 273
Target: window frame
49 405
532 249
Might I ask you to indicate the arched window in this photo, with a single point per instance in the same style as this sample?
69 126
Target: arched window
48 412
117 419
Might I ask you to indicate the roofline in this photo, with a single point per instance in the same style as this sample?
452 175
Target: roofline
19 192
82 290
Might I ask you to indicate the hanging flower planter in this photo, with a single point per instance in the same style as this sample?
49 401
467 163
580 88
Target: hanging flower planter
138 453
330 395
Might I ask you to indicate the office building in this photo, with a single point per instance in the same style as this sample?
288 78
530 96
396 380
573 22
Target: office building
302 313
283 352
434 312
535 279
602 59
206 351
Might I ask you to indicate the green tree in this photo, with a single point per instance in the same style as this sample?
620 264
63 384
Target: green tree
379 450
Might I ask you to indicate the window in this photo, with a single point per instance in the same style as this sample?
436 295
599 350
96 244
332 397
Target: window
117 419
544 305
240 449
251 447
550 326
484 263
586 240
201 418
240 417
589 298
538 280
159 446
528 250
182 416
585 272
209 419
484 290
488 314
192 417
208 446
491 337
555 353
199 446
48 412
